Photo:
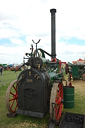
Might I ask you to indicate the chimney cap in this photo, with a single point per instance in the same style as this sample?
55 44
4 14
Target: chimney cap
53 10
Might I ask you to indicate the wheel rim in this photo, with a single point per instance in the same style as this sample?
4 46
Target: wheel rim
12 97
52 100
58 102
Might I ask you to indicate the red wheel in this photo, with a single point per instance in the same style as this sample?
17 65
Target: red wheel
58 102
12 97
56 97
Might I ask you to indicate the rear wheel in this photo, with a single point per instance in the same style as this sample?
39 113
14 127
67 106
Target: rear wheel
12 97
56 101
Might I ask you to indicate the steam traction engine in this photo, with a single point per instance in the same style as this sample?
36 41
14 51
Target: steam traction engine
38 89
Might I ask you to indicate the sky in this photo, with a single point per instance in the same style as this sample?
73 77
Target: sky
24 20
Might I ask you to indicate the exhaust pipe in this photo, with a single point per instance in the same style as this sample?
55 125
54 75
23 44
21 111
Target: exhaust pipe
53 33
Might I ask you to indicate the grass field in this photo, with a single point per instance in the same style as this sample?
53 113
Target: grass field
22 121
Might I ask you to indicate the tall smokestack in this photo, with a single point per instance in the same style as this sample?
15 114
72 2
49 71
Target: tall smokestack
53 33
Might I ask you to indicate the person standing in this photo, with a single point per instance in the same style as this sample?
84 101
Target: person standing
1 70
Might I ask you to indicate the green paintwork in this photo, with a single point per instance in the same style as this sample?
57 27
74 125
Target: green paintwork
75 71
68 93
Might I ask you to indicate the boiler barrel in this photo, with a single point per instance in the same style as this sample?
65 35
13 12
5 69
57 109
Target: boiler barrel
68 93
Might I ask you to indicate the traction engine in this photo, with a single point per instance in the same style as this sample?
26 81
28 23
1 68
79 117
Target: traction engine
38 89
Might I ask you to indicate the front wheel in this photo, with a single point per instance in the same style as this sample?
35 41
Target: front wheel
12 97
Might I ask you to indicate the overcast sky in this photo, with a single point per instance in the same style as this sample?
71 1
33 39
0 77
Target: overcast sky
24 20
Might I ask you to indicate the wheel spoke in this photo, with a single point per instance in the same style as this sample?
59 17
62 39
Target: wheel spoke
58 111
59 97
12 99
14 88
12 104
11 93
59 94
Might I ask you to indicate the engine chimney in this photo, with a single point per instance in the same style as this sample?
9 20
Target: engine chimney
53 33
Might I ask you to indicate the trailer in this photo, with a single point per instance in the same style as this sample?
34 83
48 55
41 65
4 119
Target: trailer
77 71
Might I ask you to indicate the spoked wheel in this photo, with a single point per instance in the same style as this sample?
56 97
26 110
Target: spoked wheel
12 97
59 102
56 105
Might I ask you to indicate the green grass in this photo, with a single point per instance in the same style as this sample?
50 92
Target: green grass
22 121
